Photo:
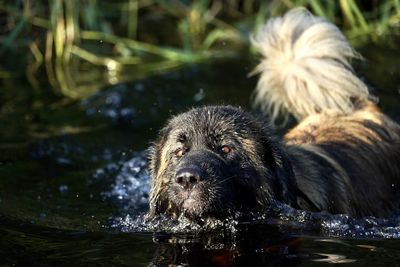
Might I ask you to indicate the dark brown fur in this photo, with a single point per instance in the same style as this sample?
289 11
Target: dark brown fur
329 162
343 157
348 163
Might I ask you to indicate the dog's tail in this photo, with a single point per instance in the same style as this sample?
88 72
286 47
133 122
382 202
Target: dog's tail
305 69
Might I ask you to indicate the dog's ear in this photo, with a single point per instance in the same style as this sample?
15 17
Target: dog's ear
155 151
157 205
158 198
282 170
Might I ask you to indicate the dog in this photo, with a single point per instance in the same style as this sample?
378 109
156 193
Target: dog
343 157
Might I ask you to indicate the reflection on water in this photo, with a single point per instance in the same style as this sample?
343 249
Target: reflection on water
74 185
244 248
29 244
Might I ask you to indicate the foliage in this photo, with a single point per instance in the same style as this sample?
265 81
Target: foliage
80 46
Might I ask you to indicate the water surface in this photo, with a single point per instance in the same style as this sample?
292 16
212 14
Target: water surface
74 180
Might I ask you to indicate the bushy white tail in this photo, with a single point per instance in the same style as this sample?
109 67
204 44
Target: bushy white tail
305 69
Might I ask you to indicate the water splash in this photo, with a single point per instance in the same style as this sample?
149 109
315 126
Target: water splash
338 225
113 104
62 150
168 225
142 104
65 151
130 192
132 182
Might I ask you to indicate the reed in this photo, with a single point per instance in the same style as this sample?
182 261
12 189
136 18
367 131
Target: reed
81 46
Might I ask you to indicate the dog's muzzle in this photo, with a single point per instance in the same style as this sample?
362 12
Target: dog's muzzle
187 177
196 180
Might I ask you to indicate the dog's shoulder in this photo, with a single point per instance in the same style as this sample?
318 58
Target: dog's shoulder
341 153
366 124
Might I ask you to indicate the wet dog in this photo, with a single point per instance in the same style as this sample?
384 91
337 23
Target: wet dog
343 157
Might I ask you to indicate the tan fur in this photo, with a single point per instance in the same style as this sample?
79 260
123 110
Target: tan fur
159 183
364 182
343 156
251 149
344 151
305 67
324 127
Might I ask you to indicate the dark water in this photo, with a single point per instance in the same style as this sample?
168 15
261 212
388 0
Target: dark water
74 181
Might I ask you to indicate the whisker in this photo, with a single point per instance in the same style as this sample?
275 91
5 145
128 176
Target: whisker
226 179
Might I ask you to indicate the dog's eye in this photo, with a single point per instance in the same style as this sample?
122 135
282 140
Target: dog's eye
180 152
226 149
182 138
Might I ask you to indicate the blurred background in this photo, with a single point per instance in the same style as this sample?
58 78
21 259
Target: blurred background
73 49
86 84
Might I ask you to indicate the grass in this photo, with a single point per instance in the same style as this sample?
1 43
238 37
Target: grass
81 46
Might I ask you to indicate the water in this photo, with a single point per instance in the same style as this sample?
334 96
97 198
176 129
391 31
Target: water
74 182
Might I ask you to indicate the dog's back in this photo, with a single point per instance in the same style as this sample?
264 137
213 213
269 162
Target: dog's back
355 161
345 152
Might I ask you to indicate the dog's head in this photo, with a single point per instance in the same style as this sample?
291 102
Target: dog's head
212 161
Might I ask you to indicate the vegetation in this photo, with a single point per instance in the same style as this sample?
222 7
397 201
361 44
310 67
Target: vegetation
80 46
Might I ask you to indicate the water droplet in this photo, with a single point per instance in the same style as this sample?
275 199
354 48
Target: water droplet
63 189
200 95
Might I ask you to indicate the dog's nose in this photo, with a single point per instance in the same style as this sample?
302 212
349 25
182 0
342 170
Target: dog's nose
188 177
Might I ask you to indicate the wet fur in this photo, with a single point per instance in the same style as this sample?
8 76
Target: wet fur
329 162
343 157
348 163
254 175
